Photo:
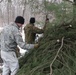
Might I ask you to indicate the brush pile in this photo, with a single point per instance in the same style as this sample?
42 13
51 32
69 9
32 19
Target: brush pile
56 54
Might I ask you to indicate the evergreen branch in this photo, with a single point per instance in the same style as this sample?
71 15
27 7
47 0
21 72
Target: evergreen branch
56 56
69 1
38 67
66 66
69 57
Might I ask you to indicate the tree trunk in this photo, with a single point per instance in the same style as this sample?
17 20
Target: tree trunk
74 11
24 9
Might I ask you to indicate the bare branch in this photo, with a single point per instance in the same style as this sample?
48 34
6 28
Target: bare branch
56 56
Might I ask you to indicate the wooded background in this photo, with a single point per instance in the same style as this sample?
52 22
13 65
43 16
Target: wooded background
9 9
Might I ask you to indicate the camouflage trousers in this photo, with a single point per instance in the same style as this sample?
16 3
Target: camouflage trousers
10 63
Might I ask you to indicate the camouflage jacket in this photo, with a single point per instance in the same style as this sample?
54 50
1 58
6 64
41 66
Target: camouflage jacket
11 37
30 33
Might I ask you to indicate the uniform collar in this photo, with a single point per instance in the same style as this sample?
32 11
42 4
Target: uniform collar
14 24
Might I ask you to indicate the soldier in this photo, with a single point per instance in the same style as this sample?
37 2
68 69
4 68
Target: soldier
30 31
10 38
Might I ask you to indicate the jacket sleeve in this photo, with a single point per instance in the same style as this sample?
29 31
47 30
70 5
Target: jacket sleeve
37 30
19 41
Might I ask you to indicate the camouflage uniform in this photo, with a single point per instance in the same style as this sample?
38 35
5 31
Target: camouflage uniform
10 38
30 33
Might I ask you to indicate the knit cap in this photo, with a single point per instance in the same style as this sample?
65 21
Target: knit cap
19 19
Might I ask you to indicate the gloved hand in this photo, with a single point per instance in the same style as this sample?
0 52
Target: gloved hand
36 45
